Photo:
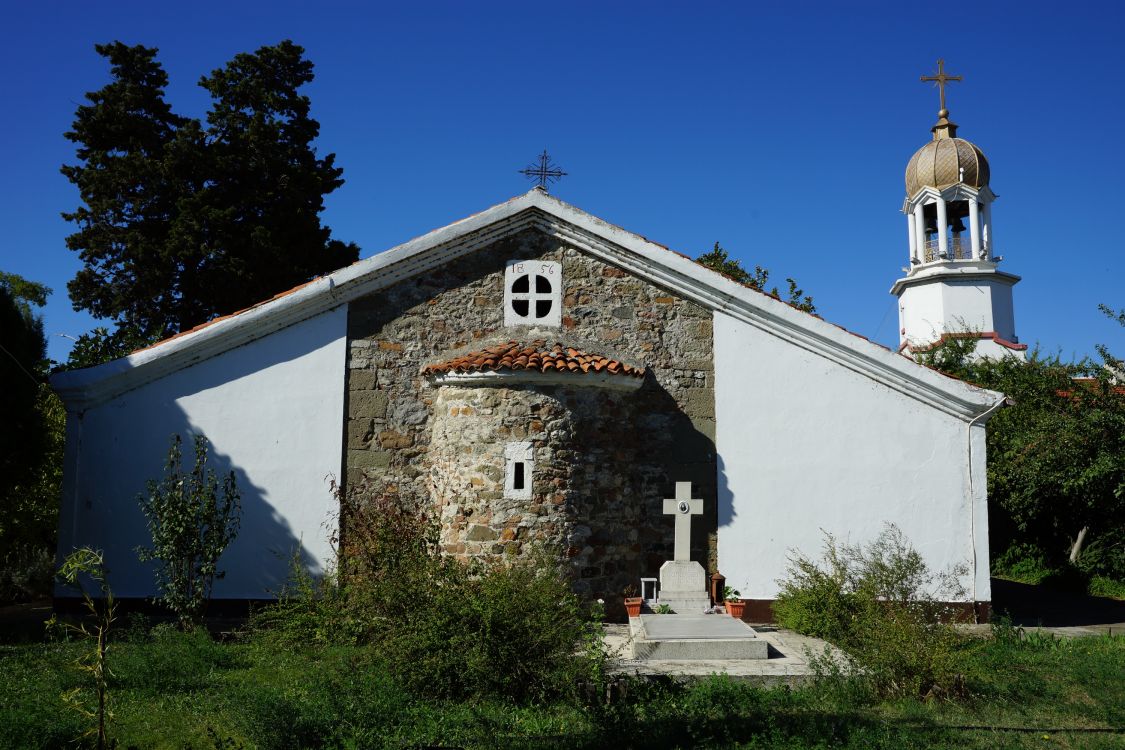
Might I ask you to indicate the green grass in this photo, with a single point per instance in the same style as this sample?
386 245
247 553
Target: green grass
179 691
1034 570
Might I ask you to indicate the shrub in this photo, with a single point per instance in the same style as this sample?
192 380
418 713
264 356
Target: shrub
312 611
191 523
815 599
26 572
510 628
513 630
883 606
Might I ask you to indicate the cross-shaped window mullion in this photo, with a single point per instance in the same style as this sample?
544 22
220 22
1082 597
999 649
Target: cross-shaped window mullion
532 298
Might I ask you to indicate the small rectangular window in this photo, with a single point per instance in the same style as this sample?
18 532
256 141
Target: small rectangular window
519 470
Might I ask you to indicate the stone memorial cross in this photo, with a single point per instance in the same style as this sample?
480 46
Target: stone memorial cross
684 506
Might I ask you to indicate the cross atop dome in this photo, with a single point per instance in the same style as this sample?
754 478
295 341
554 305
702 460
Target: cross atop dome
944 128
940 80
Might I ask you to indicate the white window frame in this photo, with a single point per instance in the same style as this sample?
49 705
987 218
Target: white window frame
518 453
550 270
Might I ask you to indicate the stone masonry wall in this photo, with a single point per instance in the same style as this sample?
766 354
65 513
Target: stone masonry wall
612 457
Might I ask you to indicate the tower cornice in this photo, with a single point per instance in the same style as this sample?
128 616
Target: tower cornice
955 192
954 271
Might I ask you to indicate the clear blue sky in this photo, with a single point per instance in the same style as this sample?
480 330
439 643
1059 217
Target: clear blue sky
780 129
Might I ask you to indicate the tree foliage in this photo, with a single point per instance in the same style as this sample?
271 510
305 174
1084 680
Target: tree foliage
717 259
183 221
192 518
1056 458
32 439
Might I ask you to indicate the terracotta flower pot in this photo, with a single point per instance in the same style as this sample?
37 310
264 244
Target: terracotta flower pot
633 606
735 608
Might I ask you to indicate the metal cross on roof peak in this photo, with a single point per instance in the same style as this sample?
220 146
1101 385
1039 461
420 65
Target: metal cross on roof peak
545 172
940 80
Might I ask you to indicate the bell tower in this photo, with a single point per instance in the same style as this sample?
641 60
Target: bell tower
953 286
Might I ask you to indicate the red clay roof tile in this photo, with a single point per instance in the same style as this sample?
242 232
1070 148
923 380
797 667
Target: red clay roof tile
536 355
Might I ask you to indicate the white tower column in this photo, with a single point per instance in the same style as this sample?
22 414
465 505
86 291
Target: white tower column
913 236
920 231
987 231
974 227
942 229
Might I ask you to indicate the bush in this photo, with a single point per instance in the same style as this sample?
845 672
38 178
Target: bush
496 629
26 572
815 600
447 629
191 523
312 611
883 606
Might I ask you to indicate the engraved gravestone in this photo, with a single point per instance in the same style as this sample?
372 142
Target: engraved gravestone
683 582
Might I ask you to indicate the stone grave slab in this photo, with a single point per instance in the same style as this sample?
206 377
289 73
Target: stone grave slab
695 637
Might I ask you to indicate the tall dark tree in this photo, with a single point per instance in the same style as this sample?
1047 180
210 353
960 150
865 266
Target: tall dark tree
266 187
183 222
130 199
31 418
23 351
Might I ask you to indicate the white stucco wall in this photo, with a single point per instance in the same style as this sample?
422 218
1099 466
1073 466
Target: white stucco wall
273 411
805 444
926 311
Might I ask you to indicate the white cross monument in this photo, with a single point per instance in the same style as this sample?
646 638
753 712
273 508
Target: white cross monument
683 582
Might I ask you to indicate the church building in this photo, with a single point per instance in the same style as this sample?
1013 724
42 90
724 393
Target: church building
537 377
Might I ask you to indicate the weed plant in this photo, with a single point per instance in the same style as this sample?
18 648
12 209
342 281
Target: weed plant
88 564
883 606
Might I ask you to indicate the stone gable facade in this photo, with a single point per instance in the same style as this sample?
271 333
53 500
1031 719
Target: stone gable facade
603 459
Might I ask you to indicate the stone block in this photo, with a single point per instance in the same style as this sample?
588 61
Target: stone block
362 380
371 404
359 432
479 533
389 439
698 402
361 459
695 637
685 576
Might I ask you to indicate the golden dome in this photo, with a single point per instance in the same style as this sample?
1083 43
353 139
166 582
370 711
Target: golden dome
946 160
